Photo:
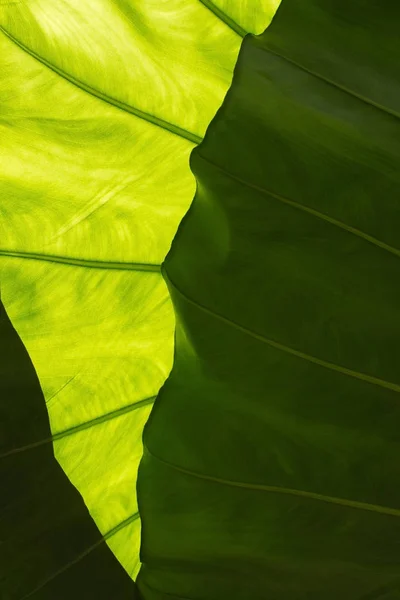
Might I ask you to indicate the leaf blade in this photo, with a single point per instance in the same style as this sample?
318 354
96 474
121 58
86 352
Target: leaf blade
293 218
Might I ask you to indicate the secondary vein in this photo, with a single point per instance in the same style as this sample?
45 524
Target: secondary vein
107 536
119 412
224 17
82 262
335 84
307 209
394 387
175 129
385 510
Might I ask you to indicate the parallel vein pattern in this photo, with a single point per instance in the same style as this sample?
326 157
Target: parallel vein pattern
102 103
271 467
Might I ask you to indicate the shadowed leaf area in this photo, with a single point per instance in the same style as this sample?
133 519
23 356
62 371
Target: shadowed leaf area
271 466
50 547
101 104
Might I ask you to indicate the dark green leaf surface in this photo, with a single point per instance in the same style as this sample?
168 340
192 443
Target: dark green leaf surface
271 466
101 103
50 547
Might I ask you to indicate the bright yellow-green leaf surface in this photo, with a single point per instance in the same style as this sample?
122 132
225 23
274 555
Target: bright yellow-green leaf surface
101 103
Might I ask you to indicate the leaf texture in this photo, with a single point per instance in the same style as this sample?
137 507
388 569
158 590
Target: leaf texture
101 104
271 456
50 547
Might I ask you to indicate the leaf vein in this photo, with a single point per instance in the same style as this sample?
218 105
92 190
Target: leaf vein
282 347
222 16
307 209
175 129
106 537
119 412
336 85
385 510
82 262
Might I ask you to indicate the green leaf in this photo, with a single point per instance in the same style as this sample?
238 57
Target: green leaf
271 465
101 104
50 547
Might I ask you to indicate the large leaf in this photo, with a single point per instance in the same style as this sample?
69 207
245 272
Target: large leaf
50 546
101 104
271 465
